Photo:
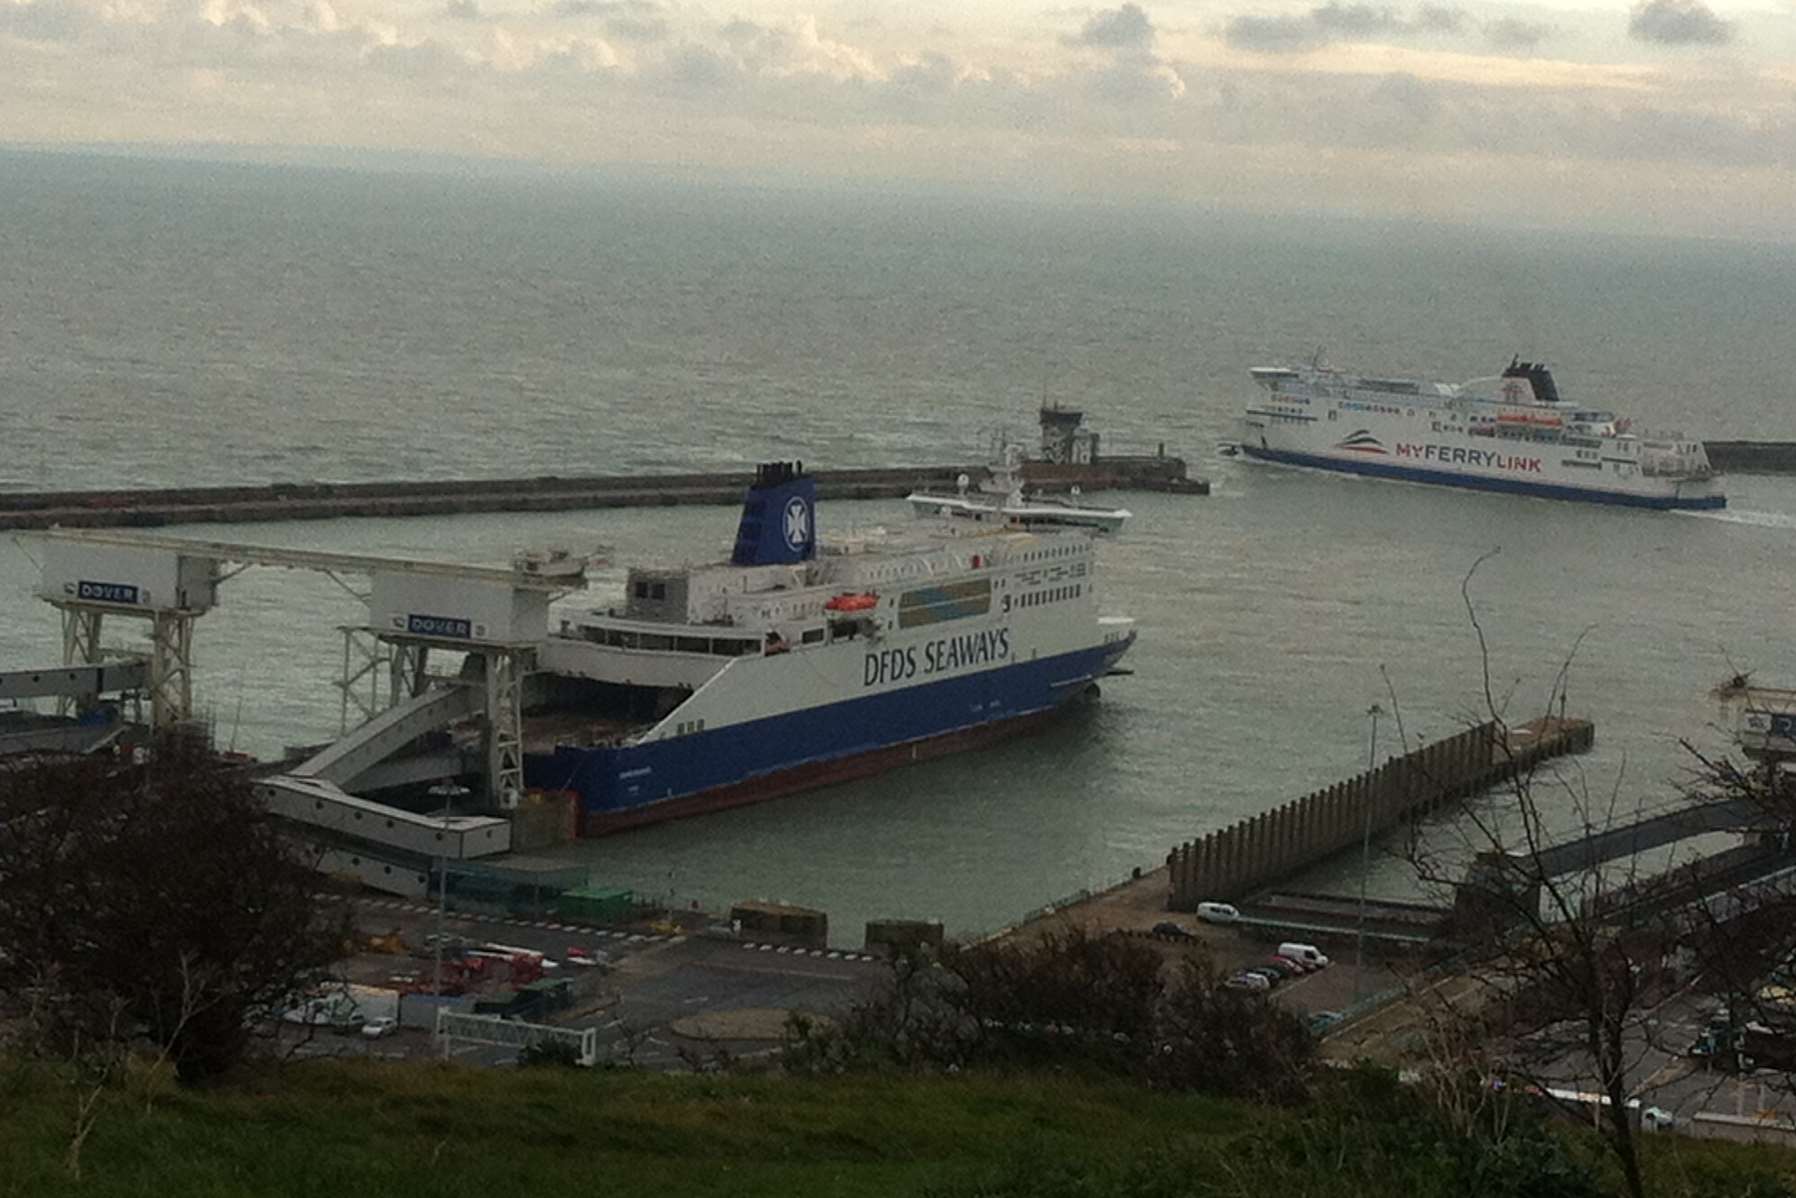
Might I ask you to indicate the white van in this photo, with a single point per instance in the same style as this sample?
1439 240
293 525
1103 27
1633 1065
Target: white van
1307 955
1217 913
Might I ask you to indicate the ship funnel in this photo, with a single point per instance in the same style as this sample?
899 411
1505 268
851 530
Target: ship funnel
779 517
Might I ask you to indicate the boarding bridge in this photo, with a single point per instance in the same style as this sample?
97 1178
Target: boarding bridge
328 807
312 794
77 689
347 759
499 616
84 683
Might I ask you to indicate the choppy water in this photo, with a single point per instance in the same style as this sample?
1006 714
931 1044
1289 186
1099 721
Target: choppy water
168 323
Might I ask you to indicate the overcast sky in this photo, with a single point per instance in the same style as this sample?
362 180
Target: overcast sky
1675 116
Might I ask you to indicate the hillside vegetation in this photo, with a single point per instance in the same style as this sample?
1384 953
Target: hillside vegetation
385 1128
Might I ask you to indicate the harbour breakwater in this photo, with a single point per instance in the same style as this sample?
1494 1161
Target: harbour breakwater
1269 847
548 493
1752 457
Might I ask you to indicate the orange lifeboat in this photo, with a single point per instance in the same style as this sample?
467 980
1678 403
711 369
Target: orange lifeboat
1537 419
865 601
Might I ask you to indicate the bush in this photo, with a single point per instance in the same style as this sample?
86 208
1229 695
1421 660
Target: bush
549 1054
1068 999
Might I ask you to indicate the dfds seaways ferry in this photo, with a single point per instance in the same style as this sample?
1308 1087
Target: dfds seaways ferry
796 664
1511 433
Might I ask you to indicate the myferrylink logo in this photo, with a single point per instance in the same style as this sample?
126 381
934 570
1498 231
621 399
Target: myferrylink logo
1362 441
1459 455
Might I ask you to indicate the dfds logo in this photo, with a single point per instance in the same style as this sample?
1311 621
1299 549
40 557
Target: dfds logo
797 524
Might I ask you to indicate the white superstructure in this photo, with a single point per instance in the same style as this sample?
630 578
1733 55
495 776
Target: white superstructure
999 501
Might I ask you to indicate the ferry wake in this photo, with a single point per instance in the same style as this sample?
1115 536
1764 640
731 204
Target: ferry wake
798 664
1509 433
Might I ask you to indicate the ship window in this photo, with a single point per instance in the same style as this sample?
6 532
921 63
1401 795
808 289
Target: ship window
692 644
812 636
658 591
642 590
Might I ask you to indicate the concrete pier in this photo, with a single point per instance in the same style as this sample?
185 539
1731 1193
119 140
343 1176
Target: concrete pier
1266 848
1752 457
548 493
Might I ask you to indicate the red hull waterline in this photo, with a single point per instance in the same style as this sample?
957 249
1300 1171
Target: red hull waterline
814 774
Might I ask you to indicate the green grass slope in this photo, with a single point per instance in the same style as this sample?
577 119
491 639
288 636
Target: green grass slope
342 1128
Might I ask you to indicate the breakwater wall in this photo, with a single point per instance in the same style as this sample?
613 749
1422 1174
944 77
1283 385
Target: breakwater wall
1269 847
1752 457
324 501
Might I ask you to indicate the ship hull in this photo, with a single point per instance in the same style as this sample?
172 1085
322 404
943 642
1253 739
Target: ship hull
1538 488
632 785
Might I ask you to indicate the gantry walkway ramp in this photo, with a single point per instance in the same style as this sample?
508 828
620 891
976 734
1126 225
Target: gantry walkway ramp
77 688
82 681
390 731
327 807
313 793
1588 852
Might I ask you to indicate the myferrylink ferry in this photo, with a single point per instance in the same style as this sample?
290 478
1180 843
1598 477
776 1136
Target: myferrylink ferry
1509 433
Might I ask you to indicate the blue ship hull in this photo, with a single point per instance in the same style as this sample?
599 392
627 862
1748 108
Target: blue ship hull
1512 486
629 785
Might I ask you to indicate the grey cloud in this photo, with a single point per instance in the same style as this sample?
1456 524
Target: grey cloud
933 75
1512 33
1272 34
633 20
1355 20
45 21
1136 80
425 61
1125 28
1333 21
695 68
1440 18
1678 23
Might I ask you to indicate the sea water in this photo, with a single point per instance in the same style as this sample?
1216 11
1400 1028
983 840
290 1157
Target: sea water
169 323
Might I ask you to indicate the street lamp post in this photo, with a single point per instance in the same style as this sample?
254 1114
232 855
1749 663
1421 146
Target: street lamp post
1365 859
448 792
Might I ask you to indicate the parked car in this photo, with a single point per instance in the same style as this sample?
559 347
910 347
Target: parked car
1217 913
1252 981
1172 931
1273 977
1307 954
1321 1021
376 1029
1288 963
